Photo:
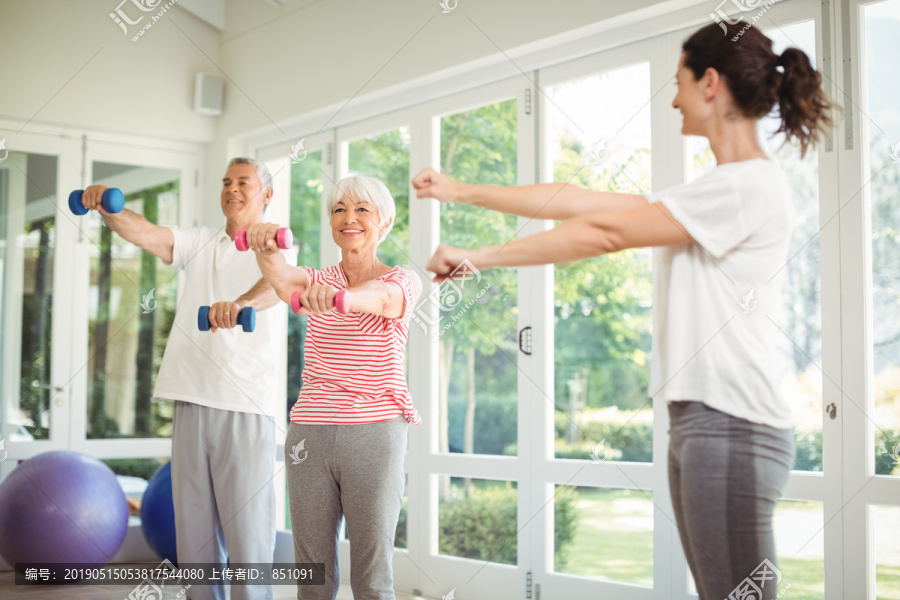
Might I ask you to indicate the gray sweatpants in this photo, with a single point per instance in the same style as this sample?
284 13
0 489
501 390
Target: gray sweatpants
355 471
223 463
725 475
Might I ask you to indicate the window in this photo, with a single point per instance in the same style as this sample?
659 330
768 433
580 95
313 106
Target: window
132 308
602 306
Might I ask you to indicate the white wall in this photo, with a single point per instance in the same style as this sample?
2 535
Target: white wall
278 62
143 87
329 51
304 55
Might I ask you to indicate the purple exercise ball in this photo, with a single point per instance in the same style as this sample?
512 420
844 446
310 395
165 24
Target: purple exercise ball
61 507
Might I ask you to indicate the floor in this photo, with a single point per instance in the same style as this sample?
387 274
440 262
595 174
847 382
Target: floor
9 590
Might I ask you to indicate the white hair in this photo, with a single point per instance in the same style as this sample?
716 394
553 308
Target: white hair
365 189
262 171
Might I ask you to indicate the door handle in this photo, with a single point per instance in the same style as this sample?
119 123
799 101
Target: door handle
525 340
55 389
52 388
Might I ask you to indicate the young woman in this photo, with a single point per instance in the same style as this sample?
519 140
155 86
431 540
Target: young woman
721 242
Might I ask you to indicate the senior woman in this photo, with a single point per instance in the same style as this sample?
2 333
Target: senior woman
345 446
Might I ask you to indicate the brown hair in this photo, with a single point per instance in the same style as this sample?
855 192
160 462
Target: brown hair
759 79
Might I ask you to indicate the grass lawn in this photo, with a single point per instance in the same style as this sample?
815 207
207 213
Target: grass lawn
614 538
614 541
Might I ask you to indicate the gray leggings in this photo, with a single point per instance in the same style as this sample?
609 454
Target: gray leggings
725 475
355 471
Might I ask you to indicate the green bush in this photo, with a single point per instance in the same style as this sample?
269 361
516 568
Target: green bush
484 526
809 451
135 467
631 442
885 463
634 442
560 422
496 424
585 450
565 523
400 536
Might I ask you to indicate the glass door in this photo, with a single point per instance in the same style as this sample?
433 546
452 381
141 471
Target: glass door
35 292
470 469
302 172
598 467
129 308
380 148
83 314
871 221
880 23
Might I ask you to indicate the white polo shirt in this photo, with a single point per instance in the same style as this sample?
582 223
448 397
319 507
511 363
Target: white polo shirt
717 302
229 369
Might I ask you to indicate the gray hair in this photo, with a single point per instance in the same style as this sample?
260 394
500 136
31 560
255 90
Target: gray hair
367 189
262 171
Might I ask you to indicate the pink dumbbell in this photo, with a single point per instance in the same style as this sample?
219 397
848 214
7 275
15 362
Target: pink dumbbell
341 302
283 237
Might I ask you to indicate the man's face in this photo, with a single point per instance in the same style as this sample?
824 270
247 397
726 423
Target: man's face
242 190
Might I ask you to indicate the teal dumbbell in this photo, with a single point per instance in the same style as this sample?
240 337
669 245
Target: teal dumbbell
246 318
113 201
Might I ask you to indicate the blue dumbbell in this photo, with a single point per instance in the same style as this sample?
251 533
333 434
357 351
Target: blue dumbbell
246 318
113 201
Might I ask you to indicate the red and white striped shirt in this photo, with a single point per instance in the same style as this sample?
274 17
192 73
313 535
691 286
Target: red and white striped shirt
354 362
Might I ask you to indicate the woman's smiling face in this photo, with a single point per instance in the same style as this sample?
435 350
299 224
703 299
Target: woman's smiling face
354 224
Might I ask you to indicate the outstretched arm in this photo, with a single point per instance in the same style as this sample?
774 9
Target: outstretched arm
374 297
380 298
132 227
559 201
284 279
578 238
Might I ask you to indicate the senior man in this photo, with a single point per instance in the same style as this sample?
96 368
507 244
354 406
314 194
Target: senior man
223 385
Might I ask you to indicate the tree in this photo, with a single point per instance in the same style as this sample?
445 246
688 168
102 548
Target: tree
603 305
37 306
305 223
386 157
478 146
151 329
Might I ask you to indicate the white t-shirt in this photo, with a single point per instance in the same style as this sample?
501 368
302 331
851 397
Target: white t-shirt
716 302
229 369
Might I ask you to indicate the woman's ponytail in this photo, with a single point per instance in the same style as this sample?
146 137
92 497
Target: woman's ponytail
803 107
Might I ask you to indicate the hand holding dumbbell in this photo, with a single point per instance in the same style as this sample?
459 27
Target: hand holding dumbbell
246 318
261 236
112 200
340 303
